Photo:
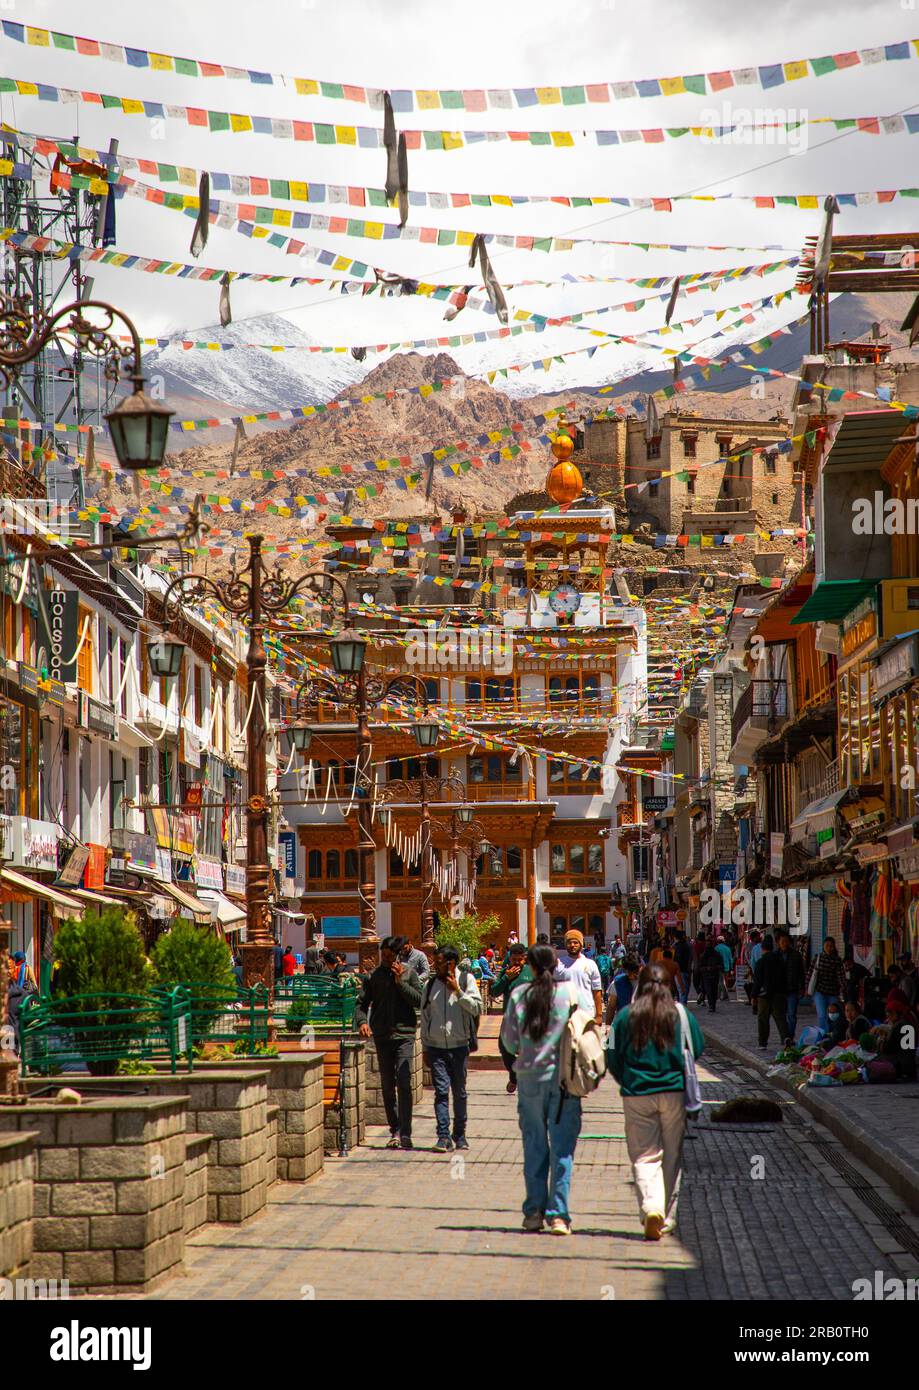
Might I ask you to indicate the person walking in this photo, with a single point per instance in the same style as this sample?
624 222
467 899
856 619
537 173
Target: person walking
682 954
723 947
514 972
645 1054
550 1120
415 959
770 993
387 1010
583 973
827 980
450 1005
624 983
288 963
711 970
794 981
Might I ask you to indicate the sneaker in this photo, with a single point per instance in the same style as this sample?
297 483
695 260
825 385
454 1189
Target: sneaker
443 1146
558 1226
654 1225
405 1142
511 1087
533 1221
393 1142
461 1143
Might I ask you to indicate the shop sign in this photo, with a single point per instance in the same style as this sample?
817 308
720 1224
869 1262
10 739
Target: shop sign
667 920
896 667
194 796
859 628
908 862
36 844
94 875
98 716
826 842
54 691
163 865
58 621
871 853
341 926
235 879
191 748
287 842
175 831
28 679
132 845
654 804
776 854
71 871
210 874
867 822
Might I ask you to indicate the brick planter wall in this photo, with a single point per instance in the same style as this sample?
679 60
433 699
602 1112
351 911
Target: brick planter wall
295 1087
271 1148
228 1104
355 1093
17 1171
374 1111
196 1151
109 1191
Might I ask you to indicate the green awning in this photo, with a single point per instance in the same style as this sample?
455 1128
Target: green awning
833 599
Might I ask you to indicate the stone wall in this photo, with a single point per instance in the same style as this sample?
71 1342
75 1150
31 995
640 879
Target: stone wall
295 1087
109 1191
196 1149
271 1145
355 1092
17 1170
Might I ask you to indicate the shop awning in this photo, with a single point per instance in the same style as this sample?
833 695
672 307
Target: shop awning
833 599
21 883
187 901
87 895
229 915
821 807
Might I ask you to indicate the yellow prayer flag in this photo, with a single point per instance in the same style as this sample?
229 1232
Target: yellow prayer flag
345 135
282 217
26 89
98 186
160 62
548 96
38 38
707 541
807 200
299 192
240 122
306 86
562 137
342 263
671 86
188 176
465 238
374 230
453 140
795 70
501 200
428 101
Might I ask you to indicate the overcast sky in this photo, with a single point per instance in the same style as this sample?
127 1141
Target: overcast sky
484 43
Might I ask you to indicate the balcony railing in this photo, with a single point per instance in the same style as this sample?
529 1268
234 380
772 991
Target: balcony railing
763 704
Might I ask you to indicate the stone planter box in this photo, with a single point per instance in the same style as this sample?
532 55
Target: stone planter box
228 1104
196 1151
109 1192
350 1126
17 1171
271 1148
295 1086
374 1111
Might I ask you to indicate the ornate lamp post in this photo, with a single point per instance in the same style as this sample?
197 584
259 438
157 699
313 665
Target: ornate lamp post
361 694
138 425
254 594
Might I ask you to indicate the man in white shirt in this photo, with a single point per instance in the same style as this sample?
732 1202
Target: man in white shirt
583 973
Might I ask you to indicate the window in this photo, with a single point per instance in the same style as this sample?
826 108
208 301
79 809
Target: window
691 484
641 863
578 862
775 499
573 779
86 659
689 445
18 759
124 656
408 769
198 694
653 447
493 777
402 875
724 444
493 690
592 926
118 781
770 462
502 864
332 868
580 687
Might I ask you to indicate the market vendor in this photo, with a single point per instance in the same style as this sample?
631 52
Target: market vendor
856 1022
897 1037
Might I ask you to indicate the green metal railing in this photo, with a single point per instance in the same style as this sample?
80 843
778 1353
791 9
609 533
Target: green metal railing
235 1016
316 1002
94 1032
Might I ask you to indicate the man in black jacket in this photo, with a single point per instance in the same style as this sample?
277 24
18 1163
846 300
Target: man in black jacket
770 993
387 1010
794 981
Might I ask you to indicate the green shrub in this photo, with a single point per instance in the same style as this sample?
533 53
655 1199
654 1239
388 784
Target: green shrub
468 934
102 956
193 955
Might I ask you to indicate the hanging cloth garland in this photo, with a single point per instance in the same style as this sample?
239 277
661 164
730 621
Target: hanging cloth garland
492 288
202 225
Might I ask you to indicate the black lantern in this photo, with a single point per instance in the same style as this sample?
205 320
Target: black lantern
426 735
348 650
139 428
301 736
165 657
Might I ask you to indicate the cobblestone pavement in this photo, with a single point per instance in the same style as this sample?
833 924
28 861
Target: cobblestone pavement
391 1225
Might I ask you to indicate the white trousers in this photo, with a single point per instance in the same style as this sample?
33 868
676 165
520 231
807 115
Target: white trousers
654 1128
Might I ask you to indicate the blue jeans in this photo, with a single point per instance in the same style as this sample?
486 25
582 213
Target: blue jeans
448 1073
548 1145
791 1014
823 1002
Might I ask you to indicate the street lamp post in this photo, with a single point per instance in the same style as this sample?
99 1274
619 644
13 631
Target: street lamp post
362 693
253 594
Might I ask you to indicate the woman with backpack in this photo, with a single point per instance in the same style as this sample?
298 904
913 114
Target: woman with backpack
535 1019
646 1055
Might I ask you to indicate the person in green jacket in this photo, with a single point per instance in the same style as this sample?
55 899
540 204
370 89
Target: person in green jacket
514 972
645 1055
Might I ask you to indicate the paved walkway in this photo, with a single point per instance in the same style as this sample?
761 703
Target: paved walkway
385 1225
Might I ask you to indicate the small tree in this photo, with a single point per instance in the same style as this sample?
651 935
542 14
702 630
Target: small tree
189 954
467 933
101 960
